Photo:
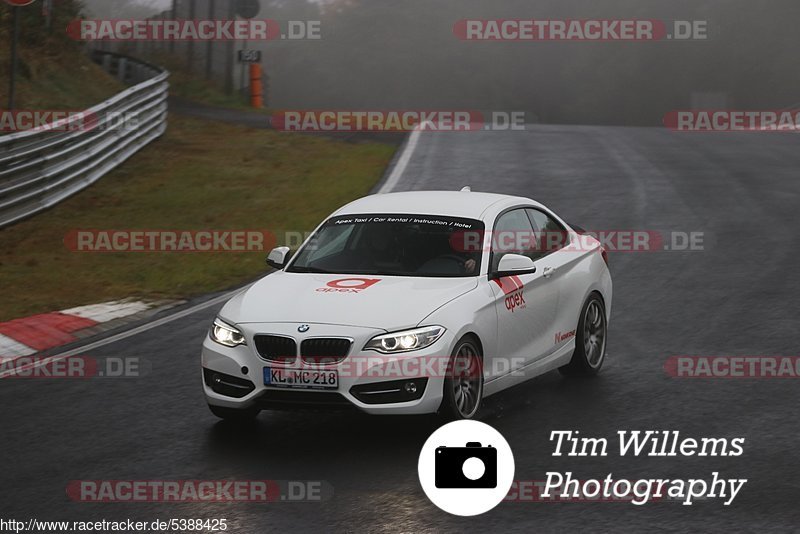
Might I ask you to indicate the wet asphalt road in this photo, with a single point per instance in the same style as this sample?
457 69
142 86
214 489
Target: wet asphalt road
738 296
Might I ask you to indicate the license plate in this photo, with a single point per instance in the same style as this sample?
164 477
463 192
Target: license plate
301 378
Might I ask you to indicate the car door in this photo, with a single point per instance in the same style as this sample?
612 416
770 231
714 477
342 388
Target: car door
559 265
524 303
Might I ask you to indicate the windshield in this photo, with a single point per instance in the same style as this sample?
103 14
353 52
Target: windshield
398 245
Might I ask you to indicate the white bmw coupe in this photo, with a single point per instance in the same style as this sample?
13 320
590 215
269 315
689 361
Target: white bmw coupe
413 303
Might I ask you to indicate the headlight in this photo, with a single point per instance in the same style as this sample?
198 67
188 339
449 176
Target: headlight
405 341
227 335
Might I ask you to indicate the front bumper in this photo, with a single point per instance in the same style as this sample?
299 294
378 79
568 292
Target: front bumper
368 381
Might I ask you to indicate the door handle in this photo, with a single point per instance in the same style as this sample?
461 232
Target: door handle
547 272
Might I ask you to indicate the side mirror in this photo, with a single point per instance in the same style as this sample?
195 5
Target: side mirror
513 264
278 257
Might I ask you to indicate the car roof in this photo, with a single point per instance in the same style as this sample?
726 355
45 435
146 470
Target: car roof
466 204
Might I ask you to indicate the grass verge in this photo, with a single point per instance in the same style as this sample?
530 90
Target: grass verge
54 75
200 176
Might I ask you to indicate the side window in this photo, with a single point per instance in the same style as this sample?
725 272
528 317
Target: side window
550 235
512 233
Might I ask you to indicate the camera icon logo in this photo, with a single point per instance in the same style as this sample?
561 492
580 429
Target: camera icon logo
466 468
472 466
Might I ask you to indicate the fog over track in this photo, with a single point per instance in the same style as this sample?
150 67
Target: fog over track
738 296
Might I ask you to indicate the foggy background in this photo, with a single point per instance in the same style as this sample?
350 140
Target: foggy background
385 54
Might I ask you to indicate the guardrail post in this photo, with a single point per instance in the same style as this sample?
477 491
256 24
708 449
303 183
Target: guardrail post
107 62
122 68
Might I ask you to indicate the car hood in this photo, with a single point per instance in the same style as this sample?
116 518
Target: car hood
383 302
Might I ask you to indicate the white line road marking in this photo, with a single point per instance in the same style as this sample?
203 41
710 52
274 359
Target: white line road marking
127 333
402 163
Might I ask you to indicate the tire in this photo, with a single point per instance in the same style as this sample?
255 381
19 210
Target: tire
463 387
591 340
235 415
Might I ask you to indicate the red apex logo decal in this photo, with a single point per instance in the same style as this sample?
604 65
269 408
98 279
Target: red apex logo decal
354 283
509 284
513 288
349 285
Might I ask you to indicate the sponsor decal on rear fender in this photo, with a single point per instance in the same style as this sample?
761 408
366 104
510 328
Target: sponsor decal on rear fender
564 336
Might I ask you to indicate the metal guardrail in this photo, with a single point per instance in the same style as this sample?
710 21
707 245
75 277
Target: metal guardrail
40 168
